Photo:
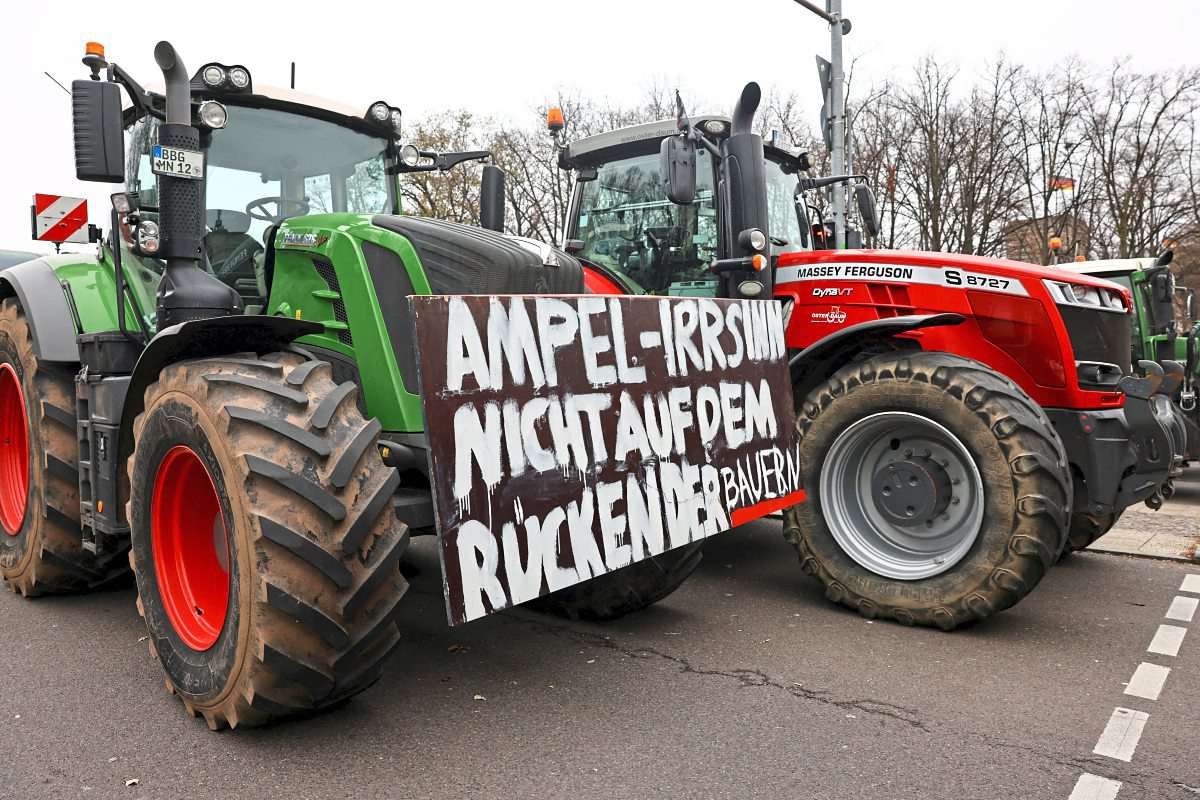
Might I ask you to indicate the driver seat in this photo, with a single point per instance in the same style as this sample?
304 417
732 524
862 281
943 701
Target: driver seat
233 254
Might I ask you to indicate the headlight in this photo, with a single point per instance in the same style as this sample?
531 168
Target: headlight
213 114
146 237
1079 294
410 156
756 239
750 288
396 117
239 77
714 126
213 75
379 111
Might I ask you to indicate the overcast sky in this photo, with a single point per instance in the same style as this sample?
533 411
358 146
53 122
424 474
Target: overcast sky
503 58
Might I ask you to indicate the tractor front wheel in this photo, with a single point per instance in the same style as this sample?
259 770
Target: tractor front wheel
937 490
625 591
265 546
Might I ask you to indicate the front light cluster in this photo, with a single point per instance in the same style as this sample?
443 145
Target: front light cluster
1079 294
383 114
221 78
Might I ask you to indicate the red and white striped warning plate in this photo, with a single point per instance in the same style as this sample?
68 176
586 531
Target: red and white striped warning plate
59 219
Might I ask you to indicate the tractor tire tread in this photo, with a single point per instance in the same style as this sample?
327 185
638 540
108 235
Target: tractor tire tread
325 555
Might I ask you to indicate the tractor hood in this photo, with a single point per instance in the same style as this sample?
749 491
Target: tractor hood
1025 273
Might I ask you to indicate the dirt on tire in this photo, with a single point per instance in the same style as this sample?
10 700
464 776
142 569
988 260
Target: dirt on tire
314 576
1021 460
625 591
46 556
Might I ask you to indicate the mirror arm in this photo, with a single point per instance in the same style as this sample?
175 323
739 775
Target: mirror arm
808 184
139 96
702 140
445 161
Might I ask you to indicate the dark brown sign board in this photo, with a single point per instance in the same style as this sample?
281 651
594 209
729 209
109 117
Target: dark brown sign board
573 435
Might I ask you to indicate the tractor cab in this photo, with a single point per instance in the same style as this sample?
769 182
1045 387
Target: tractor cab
269 154
623 225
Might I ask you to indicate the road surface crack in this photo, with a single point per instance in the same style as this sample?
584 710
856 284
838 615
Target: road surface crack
745 677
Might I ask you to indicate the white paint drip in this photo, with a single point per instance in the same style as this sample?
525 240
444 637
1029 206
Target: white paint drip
1183 608
1167 640
1093 787
1147 681
1121 734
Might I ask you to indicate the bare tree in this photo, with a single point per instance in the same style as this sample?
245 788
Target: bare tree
1139 131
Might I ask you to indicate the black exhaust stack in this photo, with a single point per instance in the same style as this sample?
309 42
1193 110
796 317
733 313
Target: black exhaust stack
491 198
186 292
743 173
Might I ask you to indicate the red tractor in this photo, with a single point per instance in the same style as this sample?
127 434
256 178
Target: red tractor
963 420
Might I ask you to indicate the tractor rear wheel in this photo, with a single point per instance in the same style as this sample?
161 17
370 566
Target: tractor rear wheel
938 492
265 545
625 591
41 548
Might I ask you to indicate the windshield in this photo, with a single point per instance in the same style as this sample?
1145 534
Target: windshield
783 218
265 165
627 224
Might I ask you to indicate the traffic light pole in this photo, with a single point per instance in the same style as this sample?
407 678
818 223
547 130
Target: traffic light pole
836 112
837 123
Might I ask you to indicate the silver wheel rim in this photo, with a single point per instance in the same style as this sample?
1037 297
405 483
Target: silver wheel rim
901 495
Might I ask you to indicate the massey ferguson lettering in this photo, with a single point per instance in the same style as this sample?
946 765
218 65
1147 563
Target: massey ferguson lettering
930 276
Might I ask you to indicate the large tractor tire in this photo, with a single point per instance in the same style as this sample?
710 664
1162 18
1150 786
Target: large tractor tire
625 591
41 548
265 545
938 492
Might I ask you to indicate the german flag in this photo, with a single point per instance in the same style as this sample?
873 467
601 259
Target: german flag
1059 183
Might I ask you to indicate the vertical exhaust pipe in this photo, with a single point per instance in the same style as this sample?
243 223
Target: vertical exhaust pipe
186 292
744 190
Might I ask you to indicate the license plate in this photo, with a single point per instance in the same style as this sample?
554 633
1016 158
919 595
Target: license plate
177 162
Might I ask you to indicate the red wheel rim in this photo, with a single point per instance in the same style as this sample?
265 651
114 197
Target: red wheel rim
191 548
14 451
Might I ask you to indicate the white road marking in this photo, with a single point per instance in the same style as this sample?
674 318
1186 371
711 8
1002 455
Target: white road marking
1093 787
1183 608
1121 734
1167 640
1147 681
1191 583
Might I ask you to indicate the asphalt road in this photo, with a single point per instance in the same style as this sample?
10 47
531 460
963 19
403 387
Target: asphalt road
745 683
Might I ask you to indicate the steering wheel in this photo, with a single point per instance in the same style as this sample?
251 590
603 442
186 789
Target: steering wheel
257 209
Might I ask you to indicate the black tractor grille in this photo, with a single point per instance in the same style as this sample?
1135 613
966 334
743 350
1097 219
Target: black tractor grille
329 275
1099 336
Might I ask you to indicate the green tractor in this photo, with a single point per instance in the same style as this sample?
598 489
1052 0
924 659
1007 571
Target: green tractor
224 395
1166 330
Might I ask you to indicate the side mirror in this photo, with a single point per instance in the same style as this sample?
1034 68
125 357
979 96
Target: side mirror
1164 287
1190 305
491 198
677 159
1162 299
99 134
866 208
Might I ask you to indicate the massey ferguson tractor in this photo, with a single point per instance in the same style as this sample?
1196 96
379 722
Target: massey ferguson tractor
223 395
963 420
